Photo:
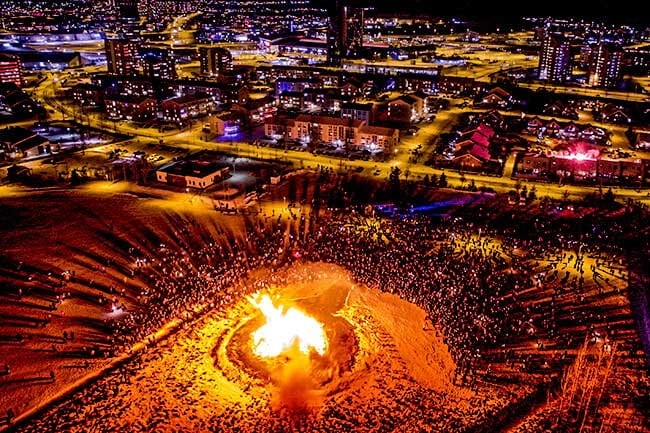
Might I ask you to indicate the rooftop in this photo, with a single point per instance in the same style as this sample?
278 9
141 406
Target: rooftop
132 99
194 168
33 56
15 134
378 130
299 80
409 99
4 57
329 120
357 106
187 99
87 86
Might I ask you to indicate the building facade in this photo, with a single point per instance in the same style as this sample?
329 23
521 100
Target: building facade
605 67
223 93
121 56
158 64
377 138
637 60
357 111
555 61
297 84
11 70
345 33
133 108
17 142
194 174
87 94
180 110
350 133
609 171
225 124
407 108
215 60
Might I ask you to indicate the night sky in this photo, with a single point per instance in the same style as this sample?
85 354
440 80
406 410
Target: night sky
500 9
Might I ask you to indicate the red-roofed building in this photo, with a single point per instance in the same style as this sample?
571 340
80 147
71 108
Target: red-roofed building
476 137
473 156
482 129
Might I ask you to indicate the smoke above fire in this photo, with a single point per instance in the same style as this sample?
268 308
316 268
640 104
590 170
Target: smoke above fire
296 391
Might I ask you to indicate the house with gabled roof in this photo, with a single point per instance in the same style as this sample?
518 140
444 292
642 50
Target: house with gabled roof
17 142
497 97
562 109
612 113
472 155
534 125
407 108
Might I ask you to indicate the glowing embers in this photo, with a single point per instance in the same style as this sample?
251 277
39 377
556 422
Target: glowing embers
284 329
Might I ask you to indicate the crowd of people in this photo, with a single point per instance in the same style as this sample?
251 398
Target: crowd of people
511 297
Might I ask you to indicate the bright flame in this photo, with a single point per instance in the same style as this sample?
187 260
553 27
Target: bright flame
284 328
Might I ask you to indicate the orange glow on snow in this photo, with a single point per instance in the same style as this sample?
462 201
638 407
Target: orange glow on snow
283 329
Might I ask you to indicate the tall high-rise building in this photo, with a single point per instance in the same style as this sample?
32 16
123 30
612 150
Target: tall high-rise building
11 70
335 28
345 32
605 67
637 60
121 56
354 21
555 61
215 60
158 63
127 9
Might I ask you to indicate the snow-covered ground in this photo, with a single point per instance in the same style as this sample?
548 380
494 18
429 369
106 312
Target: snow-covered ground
400 377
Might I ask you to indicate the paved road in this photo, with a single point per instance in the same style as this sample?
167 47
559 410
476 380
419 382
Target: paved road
191 138
586 91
